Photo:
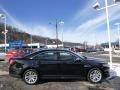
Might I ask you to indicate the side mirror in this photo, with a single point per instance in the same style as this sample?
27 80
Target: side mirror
31 57
77 59
85 57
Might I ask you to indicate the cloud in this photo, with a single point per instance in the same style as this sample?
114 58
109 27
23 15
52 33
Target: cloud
96 24
82 14
91 37
99 20
14 22
40 30
91 26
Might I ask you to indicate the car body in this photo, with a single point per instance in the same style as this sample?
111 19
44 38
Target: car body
57 63
17 53
80 50
117 51
91 50
2 54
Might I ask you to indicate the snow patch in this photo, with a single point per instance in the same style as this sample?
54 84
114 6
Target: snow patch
115 70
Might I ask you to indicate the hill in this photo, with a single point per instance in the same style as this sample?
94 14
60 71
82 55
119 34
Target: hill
15 34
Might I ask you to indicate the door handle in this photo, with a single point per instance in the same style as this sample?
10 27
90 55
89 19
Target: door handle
64 63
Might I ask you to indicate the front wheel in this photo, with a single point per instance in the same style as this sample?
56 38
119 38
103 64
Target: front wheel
30 76
95 75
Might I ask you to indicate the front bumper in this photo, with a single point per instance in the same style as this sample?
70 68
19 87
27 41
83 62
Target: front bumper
106 72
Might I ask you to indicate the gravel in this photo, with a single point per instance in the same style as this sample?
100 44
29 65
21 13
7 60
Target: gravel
10 83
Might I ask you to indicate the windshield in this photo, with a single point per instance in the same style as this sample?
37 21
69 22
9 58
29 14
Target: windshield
82 56
79 55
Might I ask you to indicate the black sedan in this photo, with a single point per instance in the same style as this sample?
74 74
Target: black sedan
57 64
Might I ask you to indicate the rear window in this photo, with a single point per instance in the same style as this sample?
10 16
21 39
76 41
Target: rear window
24 51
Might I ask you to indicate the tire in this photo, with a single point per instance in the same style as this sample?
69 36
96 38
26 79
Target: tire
95 75
30 76
9 60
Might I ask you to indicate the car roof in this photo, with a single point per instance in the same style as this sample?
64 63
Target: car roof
46 49
24 49
54 49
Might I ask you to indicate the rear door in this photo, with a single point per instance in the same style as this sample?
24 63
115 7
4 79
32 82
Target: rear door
48 63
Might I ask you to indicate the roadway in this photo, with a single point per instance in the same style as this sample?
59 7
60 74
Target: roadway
115 58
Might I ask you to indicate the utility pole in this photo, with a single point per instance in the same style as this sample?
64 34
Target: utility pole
62 24
56 27
2 16
118 25
97 7
31 40
46 41
57 33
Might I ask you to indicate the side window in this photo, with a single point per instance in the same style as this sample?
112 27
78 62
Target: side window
47 55
63 55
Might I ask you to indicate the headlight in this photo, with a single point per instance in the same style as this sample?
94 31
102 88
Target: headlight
105 65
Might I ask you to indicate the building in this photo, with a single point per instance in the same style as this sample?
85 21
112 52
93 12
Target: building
33 45
113 45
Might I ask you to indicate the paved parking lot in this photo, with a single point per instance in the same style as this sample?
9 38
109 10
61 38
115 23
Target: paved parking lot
10 83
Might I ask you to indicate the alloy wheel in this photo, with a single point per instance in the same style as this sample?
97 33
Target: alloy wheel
95 76
30 76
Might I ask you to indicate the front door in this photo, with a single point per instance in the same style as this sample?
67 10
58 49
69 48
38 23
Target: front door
68 66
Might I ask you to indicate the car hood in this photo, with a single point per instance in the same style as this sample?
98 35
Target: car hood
95 60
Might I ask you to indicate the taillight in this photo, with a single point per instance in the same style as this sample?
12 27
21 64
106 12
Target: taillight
8 54
12 62
14 52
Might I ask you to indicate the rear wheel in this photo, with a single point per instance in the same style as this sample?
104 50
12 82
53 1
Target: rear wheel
95 75
30 76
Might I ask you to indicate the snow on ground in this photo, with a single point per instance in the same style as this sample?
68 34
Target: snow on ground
3 72
113 55
115 70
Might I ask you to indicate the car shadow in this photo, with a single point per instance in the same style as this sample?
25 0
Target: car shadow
43 81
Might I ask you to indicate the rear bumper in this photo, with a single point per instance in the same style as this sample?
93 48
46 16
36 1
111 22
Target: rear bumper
15 72
106 74
16 76
7 59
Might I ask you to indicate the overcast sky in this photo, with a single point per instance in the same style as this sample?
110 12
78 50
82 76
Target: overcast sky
81 21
